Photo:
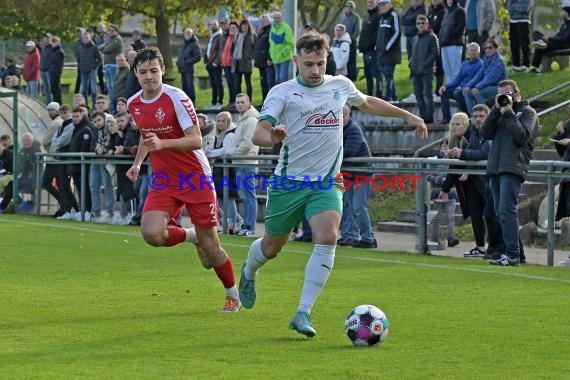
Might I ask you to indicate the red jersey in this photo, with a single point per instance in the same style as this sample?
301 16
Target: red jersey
181 175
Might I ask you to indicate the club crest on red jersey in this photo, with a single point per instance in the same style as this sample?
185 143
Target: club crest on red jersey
160 115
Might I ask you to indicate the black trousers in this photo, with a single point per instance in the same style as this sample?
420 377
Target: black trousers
519 33
476 206
552 46
76 175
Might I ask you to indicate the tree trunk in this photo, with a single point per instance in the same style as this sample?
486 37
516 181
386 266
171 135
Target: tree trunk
163 41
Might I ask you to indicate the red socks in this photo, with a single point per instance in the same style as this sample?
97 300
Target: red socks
225 273
176 235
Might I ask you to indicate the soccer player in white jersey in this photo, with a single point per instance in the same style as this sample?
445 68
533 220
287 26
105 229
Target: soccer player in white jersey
306 115
170 134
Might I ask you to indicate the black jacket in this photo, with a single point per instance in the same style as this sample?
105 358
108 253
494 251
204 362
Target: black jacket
424 53
409 20
133 86
89 57
261 47
388 47
28 165
563 35
45 58
435 17
83 138
56 60
513 135
188 55
6 162
369 32
452 26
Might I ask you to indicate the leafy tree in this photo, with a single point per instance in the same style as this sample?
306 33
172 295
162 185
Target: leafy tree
32 18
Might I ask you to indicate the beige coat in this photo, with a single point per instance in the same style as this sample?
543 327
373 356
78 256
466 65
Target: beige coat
242 144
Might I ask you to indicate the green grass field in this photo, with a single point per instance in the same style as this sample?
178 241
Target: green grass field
94 301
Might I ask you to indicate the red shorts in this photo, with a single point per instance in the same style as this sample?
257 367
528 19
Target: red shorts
202 214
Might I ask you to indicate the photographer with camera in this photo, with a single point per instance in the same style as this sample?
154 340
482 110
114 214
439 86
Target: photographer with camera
513 126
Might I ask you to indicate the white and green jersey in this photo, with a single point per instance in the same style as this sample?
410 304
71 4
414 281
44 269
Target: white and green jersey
313 116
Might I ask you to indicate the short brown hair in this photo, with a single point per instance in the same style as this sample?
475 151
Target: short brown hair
123 114
512 83
312 43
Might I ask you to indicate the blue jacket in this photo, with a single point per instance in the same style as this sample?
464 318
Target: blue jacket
467 71
490 74
477 149
354 145
520 9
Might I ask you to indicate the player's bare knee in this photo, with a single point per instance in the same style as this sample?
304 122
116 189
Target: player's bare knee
154 238
212 248
326 238
271 247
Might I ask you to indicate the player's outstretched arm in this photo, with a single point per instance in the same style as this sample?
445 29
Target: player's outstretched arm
376 106
267 135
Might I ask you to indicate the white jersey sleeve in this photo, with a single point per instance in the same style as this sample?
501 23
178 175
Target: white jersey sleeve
185 111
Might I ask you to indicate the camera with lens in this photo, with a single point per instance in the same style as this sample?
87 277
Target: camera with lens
505 99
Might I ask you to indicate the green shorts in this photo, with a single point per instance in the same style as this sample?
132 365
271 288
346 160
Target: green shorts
288 200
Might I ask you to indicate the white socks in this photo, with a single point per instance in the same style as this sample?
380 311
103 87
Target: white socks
316 274
255 260
232 292
191 235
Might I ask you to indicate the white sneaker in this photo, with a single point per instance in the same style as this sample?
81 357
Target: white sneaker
87 216
70 215
436 98
539 44
103 220
564 263
248 233
410 99
119 221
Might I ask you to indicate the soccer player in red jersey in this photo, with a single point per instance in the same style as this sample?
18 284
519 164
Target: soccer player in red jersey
171 136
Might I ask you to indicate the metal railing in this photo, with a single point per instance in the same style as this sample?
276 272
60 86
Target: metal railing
550 171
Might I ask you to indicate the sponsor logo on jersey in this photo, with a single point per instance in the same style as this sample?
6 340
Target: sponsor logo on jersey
323 120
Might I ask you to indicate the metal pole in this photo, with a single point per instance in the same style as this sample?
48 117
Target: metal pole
15 153
225 194
290 17
82 192
38 191
421 212
550 234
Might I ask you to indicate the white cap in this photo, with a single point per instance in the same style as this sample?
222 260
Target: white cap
30 44
53 106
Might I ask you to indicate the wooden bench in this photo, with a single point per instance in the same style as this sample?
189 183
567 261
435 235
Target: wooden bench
560 56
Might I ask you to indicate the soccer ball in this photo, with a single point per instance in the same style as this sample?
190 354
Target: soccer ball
366 325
